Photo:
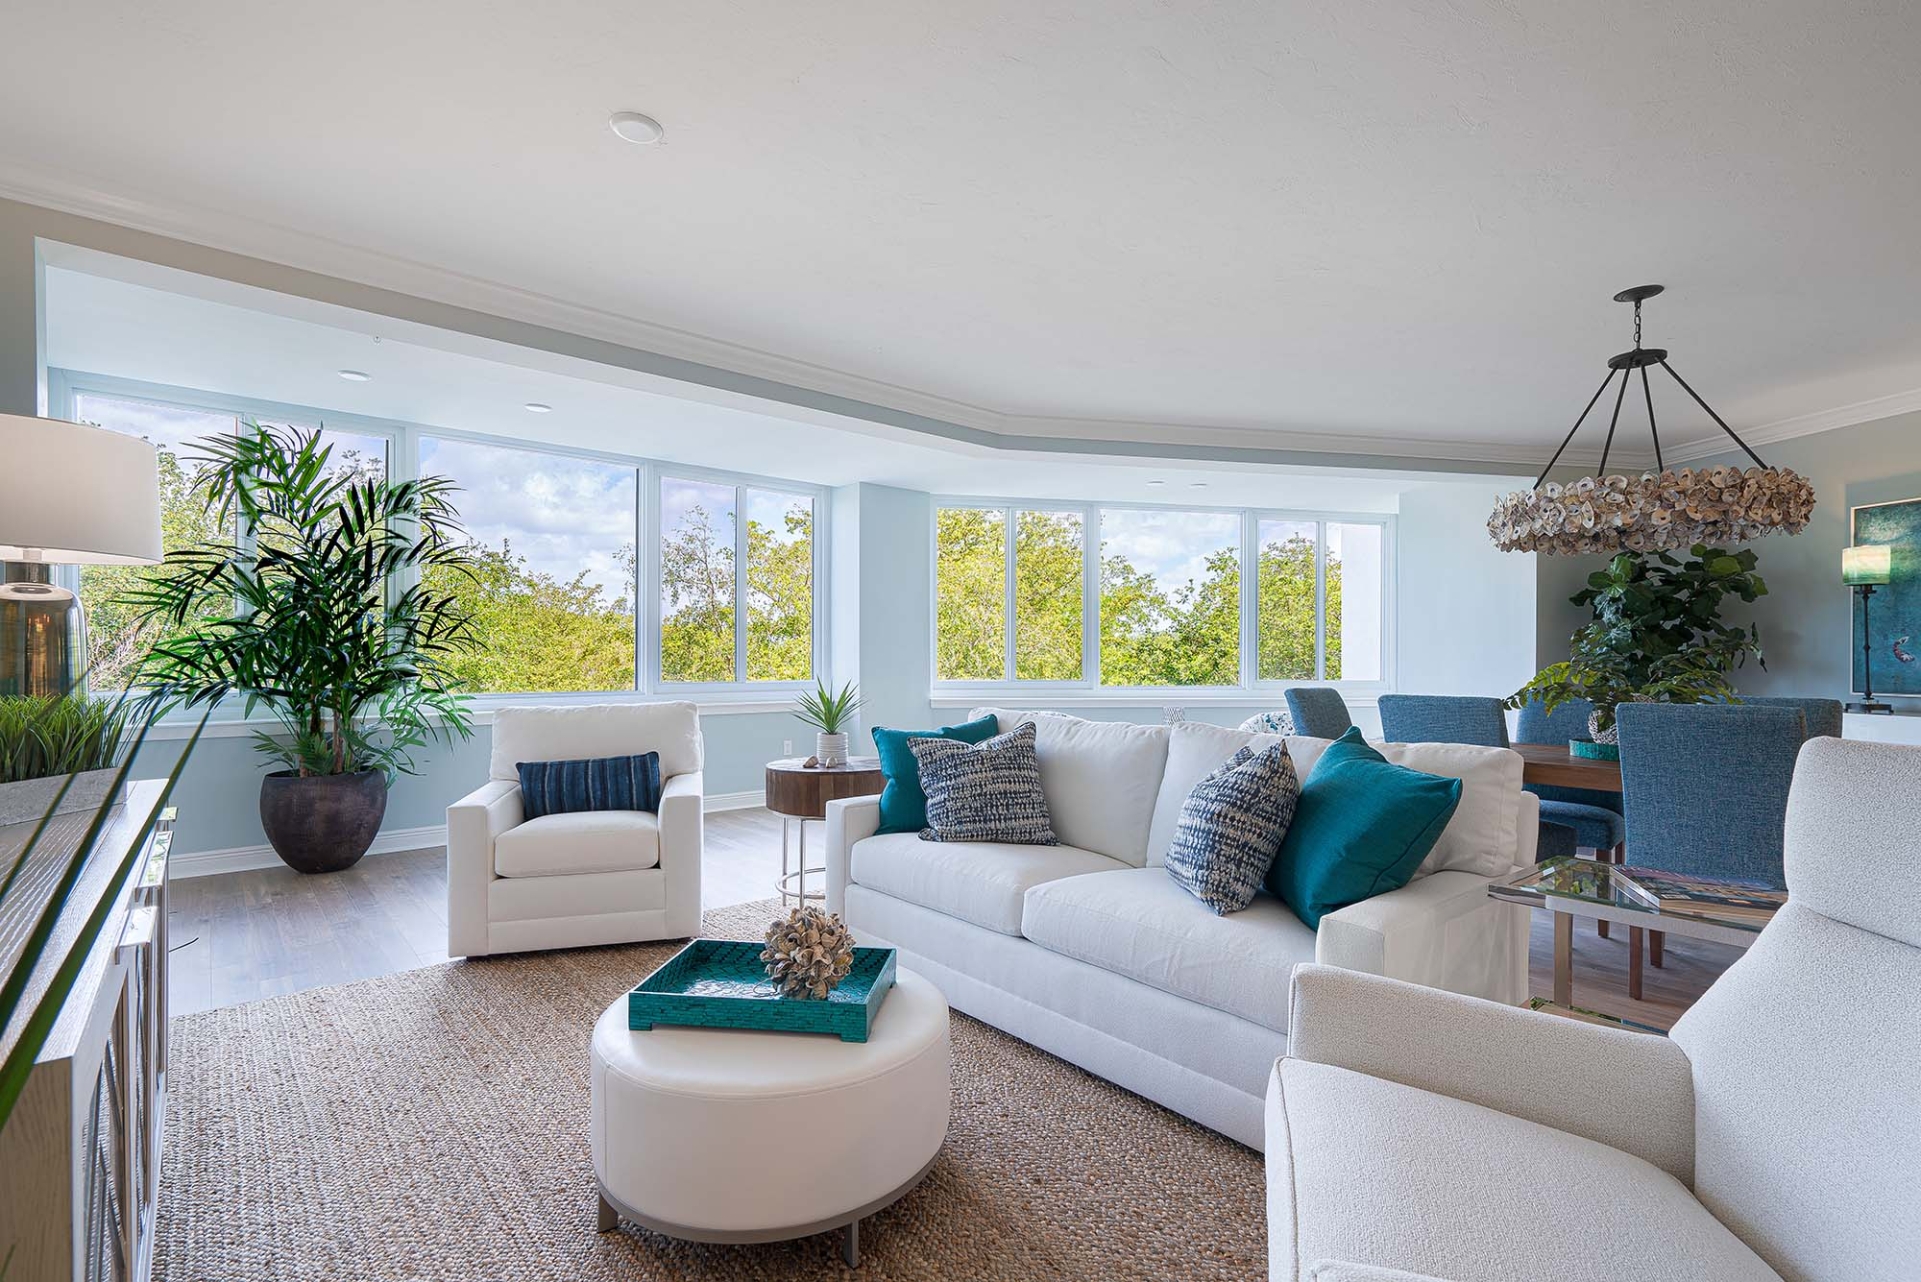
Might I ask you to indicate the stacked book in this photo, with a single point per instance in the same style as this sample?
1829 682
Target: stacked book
1737 903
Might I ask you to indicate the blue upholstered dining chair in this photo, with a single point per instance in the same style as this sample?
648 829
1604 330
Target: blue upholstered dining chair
1443 718
1823 715
1706 786
1595 816
1318 712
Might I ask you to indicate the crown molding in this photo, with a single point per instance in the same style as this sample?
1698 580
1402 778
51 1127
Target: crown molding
275 243
1787 429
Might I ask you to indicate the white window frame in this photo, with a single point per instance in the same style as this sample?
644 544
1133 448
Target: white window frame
403 462
1251 690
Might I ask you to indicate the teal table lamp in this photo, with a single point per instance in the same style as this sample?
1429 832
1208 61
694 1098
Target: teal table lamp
1865 568
69 495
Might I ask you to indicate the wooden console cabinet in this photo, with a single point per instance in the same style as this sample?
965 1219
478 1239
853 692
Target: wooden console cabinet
80 1156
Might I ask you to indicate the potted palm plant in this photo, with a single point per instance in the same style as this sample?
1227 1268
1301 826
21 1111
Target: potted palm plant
830 713
317 609
1657 636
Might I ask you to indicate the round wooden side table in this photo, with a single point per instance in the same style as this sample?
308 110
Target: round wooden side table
798 792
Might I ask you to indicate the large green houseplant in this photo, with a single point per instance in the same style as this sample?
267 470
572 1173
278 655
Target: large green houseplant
1657 635
317 607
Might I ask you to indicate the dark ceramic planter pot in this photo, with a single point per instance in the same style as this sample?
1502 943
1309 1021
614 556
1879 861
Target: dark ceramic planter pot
322 823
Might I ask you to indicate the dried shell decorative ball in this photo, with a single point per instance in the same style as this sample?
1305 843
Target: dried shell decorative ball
1653 512
808 952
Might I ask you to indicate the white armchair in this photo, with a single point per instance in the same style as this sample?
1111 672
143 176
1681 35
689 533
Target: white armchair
1776 1133
572 880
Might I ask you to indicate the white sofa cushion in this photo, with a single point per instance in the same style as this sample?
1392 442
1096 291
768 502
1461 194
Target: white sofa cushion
1194 751
1484 833
1364 1169
1100 777
1138 923
584 841
981 882
577 733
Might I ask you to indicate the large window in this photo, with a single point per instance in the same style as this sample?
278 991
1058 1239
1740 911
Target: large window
595 573
1180 599
553 597
177 433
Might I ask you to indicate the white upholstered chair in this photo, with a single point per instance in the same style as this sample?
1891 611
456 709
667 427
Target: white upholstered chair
570 880
1775 1134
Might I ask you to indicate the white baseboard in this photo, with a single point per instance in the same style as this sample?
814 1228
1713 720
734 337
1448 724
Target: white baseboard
205 863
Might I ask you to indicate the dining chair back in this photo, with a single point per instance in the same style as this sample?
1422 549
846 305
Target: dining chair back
1443 718
1823 715
1567 722
1705 786
1318 712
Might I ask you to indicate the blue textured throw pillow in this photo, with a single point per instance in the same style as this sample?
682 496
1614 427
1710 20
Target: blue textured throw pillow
1231 828
1361 828
903 802
600 783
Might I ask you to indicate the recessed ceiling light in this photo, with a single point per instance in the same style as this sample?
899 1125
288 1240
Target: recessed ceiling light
1157 482
1197 485
355 375
636 128
538 407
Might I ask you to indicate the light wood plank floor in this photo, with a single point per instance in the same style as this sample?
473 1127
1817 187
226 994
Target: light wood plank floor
242 936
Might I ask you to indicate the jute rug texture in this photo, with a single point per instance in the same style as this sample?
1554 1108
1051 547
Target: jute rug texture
432 1126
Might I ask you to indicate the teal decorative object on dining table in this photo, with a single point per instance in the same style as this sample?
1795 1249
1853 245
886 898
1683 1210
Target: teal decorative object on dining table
722 983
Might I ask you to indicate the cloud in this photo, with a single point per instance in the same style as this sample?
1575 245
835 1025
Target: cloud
1171 546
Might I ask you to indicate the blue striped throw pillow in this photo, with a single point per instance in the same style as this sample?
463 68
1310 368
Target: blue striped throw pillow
602 783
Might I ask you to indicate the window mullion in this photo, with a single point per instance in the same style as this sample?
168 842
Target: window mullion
1320 600
1250 600
1007 606
740 583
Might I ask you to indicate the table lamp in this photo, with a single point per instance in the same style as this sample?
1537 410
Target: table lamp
69 495
1864 568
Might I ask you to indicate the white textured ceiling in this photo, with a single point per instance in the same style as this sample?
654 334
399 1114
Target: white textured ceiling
1364 219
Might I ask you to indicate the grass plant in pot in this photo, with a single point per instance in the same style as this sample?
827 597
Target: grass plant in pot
317 611
831 714
1657 636
46 738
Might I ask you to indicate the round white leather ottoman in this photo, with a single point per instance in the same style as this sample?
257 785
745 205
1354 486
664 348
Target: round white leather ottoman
729 1135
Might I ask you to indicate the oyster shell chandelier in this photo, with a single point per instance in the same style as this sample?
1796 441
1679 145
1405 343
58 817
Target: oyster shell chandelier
1657 510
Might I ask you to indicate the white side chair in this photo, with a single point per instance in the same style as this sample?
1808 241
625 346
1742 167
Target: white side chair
572 880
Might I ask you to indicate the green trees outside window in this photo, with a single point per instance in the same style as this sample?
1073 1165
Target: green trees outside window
1169 597
698 600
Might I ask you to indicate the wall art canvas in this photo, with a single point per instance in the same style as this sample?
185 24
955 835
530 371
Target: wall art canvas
1895 621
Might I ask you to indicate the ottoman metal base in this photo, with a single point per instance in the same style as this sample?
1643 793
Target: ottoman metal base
612 1211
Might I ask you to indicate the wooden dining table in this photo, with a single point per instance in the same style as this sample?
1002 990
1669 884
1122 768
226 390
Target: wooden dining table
1550 763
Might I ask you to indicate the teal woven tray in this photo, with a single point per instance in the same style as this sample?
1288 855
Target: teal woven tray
720 983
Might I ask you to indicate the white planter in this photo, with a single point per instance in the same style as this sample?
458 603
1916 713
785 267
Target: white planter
831 749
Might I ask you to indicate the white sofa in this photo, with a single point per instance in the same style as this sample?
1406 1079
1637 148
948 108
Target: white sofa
570 880
1775 1134
1090 950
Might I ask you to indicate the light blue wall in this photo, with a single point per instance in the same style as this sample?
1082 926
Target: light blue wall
1804 619
1465 609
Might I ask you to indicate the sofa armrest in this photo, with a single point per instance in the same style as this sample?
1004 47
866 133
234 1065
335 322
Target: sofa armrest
849 820
472 824
682 842
1630 1091
1441 930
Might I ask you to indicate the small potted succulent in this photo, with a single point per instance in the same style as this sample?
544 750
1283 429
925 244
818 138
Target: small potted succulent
1656 637
830 713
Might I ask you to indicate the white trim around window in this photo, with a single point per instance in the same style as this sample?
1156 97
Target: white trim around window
1088 692
403 460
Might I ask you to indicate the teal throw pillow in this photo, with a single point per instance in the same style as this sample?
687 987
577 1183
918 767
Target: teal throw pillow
903 803
1361 827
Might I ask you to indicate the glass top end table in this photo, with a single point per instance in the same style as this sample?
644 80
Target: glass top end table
1572 887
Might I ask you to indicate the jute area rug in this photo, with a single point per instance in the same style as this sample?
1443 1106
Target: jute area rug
432 1125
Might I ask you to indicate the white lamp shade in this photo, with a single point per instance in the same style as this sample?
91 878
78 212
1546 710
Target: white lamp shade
77 495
